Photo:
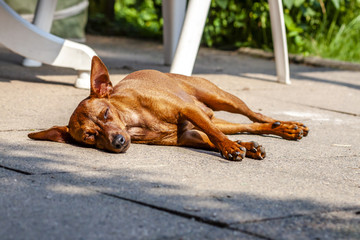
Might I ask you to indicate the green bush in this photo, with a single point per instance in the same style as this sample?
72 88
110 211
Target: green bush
327 28
134 18
232 24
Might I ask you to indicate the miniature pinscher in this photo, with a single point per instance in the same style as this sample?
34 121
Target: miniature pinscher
152 107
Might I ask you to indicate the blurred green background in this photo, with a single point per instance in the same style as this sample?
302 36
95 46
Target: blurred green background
326 28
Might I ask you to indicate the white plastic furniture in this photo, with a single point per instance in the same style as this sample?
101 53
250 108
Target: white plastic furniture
44 16
196 14
34 42
173 12
182 34
42 19
30 41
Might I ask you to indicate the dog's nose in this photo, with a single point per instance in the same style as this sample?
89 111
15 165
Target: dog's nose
118 141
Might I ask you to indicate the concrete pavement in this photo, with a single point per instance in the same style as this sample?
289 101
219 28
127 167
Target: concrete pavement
308 189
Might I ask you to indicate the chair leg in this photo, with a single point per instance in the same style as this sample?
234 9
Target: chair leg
31 42
279 41
43 19
174 15
190 38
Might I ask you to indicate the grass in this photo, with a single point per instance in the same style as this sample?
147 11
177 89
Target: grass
342 45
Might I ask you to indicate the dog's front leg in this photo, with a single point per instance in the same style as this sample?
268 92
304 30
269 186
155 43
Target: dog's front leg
229 149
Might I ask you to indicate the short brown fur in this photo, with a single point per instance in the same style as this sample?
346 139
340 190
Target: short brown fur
166 109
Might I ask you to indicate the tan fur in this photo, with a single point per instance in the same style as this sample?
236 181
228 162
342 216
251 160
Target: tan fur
162 108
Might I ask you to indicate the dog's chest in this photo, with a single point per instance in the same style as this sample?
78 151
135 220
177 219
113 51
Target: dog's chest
151 136
145 127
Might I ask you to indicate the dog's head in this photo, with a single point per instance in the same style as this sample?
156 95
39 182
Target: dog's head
95 122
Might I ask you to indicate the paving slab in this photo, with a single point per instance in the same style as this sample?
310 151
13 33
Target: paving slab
341 94
39 207
234 193
6 173
332 225
197 182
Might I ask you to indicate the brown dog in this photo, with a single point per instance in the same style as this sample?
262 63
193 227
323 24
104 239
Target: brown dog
167 109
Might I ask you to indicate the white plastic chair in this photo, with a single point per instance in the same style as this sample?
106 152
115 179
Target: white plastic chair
32 42
183 58
182 35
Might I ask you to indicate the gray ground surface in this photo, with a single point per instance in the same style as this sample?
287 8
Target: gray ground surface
307 189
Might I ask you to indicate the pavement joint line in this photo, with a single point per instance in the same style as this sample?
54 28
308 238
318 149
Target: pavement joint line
16 170
326 109
332 110
47 173
335 156
204 220
33 174
350 209
318 107
21 130
51 173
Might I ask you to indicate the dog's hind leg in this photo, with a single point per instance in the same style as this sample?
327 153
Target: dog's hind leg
218 99
287 131
227 102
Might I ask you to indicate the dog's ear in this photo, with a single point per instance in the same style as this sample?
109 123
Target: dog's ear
55 134
100 81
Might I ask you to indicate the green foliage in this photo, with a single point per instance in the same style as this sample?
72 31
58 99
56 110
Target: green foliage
140 17
232 24
327 28
342 44
135 18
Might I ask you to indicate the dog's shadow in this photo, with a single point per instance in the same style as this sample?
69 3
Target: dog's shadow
198 150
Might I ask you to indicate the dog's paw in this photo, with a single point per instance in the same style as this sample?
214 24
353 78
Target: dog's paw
301 126
290 130
253 150
233 151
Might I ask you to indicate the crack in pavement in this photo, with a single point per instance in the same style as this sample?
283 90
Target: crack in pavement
197 218
22 130
16 170
355 209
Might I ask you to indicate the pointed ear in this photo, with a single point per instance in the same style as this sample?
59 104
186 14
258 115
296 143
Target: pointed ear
100 80
55 134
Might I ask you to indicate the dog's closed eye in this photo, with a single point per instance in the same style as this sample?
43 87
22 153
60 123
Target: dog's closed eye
106 113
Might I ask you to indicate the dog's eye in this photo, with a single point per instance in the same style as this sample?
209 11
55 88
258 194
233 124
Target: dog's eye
106 114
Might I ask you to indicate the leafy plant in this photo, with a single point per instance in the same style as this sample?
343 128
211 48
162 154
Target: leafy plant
327 28
140 17
135 18
233 24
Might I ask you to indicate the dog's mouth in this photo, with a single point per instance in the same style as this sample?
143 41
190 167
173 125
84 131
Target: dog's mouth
125 147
